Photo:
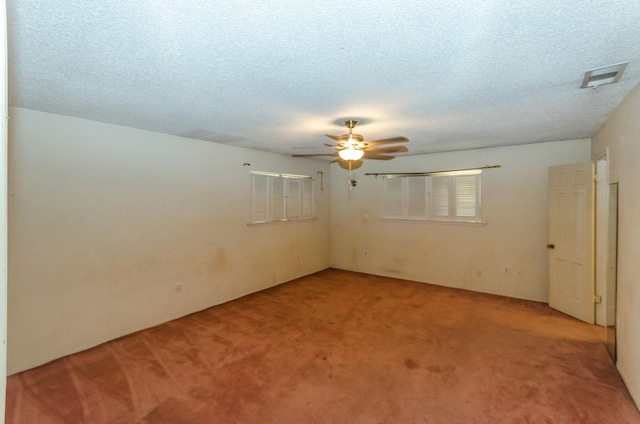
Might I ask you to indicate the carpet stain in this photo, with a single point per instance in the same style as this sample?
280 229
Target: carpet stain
410 363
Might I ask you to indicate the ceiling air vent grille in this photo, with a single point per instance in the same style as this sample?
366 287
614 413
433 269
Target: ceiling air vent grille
605 75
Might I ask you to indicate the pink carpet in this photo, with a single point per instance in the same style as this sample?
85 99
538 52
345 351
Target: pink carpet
339 347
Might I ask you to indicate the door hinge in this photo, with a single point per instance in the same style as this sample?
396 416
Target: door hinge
597 299
596 178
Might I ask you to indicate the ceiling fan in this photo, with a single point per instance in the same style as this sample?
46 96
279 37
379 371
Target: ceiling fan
353 147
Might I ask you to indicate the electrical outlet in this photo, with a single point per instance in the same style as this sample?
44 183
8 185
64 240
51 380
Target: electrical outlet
506 270
365 253
179 288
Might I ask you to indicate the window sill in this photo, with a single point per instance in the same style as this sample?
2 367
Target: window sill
282 221
424 221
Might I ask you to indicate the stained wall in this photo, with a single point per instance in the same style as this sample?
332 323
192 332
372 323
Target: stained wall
473 257
106 221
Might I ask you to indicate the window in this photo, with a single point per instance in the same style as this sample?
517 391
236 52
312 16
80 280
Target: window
281 197
441 197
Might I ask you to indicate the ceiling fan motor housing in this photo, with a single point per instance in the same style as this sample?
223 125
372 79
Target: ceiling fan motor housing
345 137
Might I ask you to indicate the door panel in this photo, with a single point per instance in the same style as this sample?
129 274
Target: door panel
571 232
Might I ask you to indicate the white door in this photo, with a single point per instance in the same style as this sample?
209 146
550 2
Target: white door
571 240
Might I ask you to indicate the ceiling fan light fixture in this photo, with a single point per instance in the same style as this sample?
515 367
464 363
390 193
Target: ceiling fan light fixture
352 147
351 153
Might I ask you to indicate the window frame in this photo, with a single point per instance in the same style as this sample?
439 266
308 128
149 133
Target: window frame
442 198
281 198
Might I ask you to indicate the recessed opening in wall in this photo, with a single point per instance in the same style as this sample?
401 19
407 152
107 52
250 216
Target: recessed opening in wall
439 198
277 198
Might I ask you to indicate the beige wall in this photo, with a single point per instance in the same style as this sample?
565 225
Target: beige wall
105 221
514 206
3 206
621 134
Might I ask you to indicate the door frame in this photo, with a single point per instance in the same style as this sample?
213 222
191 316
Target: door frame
601 236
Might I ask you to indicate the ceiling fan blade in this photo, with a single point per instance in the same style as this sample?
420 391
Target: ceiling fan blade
374 149
334 146
388 141
375 156
315 154
333 137
390 149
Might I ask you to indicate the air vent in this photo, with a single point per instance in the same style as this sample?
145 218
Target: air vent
605 75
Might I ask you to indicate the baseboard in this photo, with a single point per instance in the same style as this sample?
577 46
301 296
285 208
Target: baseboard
634 395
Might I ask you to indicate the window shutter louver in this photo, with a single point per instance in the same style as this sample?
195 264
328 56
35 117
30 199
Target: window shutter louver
393 198
277 195
417 201
439 198
293 199
260 198
307 198
466 195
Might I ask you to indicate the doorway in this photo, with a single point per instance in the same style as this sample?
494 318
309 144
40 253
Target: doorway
582 256
606 253
610 294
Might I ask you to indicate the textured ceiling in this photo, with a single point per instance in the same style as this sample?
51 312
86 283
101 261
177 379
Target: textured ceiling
449 75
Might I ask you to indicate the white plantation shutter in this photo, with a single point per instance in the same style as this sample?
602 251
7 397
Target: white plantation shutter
393 198
259 198
417 197
307 198
278 199
293 199
433 198
467 196
439 198
281 197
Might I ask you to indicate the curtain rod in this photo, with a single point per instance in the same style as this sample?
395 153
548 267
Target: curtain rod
418 174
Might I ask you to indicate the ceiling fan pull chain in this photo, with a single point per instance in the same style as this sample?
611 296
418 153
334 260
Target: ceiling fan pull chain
352 180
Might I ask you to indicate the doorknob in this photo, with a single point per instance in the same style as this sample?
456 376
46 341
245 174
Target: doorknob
551 246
